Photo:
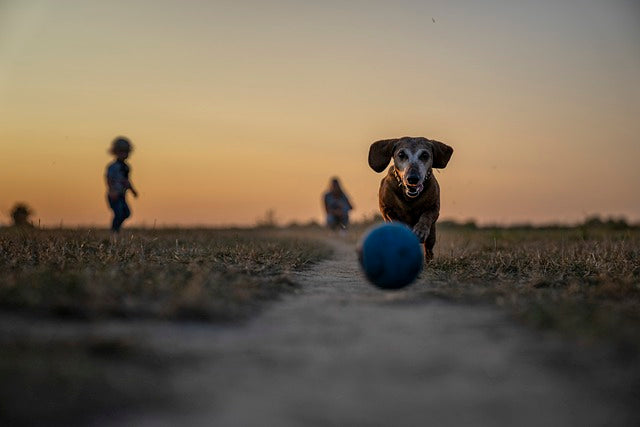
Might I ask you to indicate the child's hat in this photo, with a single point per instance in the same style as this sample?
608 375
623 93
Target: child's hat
120 144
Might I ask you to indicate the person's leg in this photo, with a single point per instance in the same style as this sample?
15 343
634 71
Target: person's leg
345 220
332 221
126 211
342 224
120 209
113 205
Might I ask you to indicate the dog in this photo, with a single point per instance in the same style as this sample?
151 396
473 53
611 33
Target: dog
409 193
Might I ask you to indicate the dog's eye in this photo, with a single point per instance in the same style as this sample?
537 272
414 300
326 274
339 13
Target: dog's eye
424 157
402 155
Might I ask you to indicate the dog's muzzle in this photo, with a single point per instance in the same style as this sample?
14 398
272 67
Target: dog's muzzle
409 189
413 190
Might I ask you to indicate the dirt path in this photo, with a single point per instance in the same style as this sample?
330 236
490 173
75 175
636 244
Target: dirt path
343 353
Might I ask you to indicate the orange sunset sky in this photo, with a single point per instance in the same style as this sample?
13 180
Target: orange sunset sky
236 107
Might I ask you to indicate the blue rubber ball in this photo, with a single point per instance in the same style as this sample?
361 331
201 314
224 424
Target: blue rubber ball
391 256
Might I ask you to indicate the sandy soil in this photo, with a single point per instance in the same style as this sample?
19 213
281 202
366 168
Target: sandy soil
344 353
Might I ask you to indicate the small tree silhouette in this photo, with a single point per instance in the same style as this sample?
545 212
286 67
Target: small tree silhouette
20 215
269 220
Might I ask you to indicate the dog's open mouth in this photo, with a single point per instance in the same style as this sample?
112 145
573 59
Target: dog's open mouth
413 190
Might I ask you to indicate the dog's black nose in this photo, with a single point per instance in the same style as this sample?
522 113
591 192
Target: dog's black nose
413 179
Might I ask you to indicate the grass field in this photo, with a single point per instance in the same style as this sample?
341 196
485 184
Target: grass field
178 274
583 282
72 278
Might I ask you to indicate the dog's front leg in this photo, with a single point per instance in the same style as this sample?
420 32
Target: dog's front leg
425 229
422 229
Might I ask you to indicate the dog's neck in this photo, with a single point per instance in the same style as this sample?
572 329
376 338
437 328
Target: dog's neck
397 176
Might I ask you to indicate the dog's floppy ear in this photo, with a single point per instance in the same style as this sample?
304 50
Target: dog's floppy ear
441 154
380 154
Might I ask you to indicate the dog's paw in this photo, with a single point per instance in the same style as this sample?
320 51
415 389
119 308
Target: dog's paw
421 232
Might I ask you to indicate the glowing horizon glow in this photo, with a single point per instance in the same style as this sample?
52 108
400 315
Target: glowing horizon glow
235 109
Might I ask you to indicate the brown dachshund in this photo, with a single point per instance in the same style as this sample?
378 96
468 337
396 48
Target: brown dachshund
409 193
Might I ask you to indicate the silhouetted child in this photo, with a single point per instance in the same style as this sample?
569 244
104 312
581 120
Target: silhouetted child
337 206
118 182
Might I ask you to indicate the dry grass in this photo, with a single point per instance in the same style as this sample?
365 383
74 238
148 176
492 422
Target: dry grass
166 274
584 282
203 274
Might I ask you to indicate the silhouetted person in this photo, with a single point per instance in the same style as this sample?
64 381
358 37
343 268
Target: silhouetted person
337 206
118 182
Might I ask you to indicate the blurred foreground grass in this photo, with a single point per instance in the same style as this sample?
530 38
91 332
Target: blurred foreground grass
202 274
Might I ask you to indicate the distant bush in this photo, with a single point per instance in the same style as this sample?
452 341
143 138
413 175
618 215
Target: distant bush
20 215
451 223
312 223
268 220
610 223
591 222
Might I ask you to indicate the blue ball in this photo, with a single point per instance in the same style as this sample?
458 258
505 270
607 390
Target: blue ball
391 256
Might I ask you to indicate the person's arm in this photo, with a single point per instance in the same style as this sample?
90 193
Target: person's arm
349 205
133 190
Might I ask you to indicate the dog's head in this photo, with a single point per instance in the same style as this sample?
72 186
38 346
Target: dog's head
413 159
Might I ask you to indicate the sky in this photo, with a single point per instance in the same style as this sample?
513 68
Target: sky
239 107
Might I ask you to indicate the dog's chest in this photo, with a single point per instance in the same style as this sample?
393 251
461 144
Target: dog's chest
399 207
409 214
